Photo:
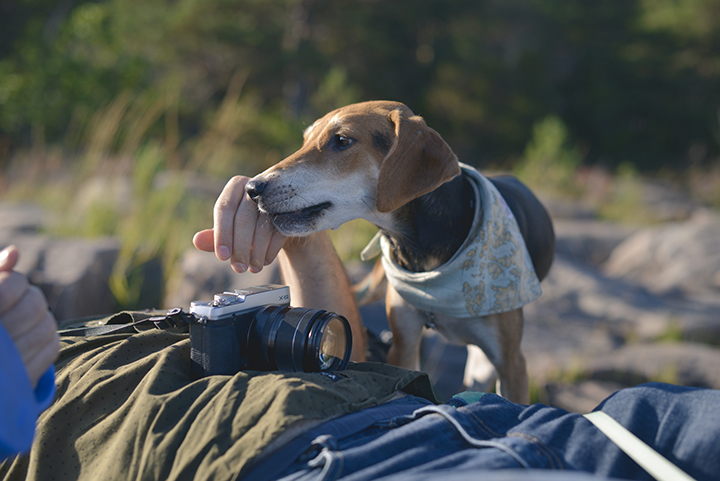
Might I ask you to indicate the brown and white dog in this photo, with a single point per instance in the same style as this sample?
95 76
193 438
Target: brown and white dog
379 162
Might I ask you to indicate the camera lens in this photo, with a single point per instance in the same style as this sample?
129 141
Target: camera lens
333 345
298 339
329 343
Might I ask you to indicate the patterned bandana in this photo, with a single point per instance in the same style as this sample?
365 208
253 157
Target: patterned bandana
490 273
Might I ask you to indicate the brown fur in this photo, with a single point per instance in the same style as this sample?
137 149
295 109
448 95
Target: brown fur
379 161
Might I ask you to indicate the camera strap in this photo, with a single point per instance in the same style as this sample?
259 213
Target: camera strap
174 318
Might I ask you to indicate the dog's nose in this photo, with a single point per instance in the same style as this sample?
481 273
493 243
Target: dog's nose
255 188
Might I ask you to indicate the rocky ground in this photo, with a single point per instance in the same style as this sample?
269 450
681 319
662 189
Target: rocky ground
622 305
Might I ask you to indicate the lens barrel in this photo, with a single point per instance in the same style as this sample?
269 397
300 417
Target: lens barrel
298 339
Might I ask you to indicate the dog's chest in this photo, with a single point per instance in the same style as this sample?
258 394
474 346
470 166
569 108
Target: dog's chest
491 272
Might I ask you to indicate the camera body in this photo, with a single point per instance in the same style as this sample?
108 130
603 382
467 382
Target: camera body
256 329
220 340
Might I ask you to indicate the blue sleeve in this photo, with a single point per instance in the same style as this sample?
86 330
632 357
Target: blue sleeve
20 404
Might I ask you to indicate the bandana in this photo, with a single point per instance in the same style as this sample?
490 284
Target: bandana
490 273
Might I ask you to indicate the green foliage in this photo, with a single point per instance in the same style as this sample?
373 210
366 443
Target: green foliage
150 230
61 62
634 80
549 164
334 92
351 238
123 185
100 219
670 374
538 393
684 18
673 333
625 203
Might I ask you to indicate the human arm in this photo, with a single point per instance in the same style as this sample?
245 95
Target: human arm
309 265
28 346
317 279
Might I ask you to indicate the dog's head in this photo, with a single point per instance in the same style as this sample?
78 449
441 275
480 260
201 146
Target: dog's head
360 161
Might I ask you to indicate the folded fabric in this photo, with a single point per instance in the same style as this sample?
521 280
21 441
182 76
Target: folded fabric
491 272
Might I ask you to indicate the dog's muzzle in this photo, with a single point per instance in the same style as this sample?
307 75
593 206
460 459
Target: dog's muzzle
254 189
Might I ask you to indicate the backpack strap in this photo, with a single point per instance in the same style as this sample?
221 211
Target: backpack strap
650 460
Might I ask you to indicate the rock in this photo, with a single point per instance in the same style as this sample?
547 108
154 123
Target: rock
592 379
579 397
682 363
562 209
589 241
201 276
679 257
583 314
587 380
74 276
18 219
151 277
32 248
578 304
667 201
72 273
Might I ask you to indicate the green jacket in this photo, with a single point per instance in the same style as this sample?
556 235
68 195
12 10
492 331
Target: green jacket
128 408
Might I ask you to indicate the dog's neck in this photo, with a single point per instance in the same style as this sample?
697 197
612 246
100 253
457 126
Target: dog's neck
430 229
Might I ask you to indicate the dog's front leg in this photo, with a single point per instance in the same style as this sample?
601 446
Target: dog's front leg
406 324
512 382
499 337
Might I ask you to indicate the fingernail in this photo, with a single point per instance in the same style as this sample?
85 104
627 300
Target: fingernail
4 255
254 269
223 253
238 267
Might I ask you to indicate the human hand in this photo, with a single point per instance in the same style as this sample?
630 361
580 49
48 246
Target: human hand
25 316
240 233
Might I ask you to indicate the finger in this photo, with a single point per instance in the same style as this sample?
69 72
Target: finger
246 220
204 240
276 243
8 258
224 214
261 242
26 314
13 287
39 347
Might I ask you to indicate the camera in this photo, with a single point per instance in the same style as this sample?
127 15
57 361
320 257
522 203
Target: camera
256 329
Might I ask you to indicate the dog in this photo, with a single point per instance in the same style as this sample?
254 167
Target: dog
380 162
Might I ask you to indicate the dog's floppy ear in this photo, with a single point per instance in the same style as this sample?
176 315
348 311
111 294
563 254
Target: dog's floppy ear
418 162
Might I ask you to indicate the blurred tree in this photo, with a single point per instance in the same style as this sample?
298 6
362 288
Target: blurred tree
549 164
633 80
61 56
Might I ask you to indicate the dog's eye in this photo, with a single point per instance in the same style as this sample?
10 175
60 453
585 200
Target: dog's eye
342 142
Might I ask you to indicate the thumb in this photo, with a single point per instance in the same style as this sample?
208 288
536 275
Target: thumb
8 258
204 240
